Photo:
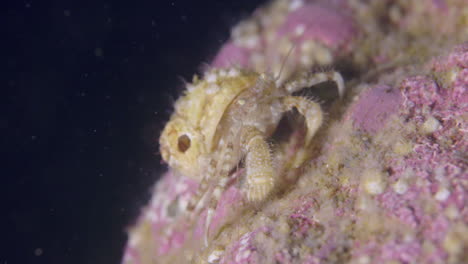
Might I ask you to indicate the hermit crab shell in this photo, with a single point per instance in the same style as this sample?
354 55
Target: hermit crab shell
191 131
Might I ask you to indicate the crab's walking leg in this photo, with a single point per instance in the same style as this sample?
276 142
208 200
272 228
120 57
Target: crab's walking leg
260 172
218 191
197 200
306 79
309 109
227 162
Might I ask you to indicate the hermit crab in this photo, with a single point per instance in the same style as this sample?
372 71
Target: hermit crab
226 118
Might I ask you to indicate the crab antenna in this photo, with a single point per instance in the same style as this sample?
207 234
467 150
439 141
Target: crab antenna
284 61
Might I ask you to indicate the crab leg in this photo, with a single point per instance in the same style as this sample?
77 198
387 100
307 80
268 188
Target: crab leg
260 172
213 204
197 200
227 161
309 109
306 79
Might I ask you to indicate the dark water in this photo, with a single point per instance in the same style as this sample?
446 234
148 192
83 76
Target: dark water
86 88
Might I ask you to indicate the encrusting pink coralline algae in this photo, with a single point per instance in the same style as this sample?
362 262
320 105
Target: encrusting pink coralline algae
387 179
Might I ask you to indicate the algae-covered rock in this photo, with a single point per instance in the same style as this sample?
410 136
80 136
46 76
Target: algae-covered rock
386 180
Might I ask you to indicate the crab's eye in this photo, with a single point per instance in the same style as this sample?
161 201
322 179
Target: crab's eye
183 143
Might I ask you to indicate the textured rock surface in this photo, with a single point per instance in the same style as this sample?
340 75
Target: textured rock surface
387 180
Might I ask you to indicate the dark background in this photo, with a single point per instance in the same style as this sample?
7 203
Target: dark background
86 89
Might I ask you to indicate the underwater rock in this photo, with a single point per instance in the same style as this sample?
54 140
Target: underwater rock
387 179
295 34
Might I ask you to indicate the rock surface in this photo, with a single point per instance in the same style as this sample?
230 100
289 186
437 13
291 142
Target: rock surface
387 180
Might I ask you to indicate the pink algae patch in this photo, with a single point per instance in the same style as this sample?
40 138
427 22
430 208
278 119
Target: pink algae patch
174 241
230 201
231 55
320 23
457 58
374 108
245 249
402 251
231 197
